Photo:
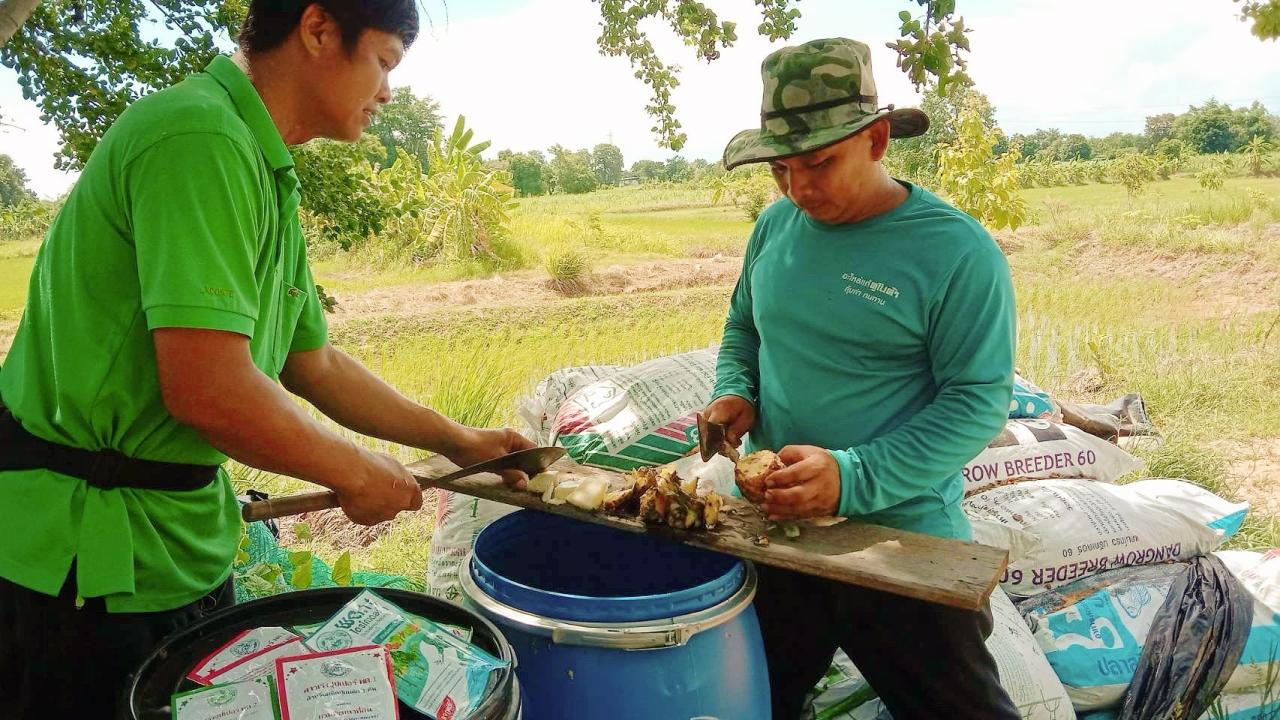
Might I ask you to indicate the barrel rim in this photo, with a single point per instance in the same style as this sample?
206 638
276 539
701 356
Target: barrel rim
642 635
580 608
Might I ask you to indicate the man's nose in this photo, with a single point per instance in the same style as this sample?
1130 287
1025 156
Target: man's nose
384 92
800 187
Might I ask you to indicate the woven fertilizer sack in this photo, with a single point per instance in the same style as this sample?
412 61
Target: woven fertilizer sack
638 416
1248 705
538 410
1030 401
1058 531
460 518
1259 670
1042 450
1024 674
1093 631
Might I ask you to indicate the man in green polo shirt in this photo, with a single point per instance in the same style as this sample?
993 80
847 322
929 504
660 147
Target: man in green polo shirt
870 342
169 297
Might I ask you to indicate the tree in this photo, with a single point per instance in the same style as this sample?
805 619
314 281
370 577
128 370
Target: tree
1255 155
606 163
916 158
83 62
571 170
1158 128
1210 177
529 171
1116 144
1134 170
1265 15
1207 128
677 169
466 204
647 169
1039 145
13 183
1171 155
975 179
408 122
928 50
1253 121
339 190
704 170
95 50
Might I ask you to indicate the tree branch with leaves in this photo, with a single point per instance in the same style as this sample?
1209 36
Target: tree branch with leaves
929 50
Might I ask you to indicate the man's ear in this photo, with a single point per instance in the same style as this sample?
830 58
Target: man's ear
878 134
318 31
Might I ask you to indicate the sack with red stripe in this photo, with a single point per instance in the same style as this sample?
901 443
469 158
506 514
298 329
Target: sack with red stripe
638 416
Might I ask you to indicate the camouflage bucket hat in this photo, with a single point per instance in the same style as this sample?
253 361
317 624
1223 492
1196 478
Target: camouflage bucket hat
815 95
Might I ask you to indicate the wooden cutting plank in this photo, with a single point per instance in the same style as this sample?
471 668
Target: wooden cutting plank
949 572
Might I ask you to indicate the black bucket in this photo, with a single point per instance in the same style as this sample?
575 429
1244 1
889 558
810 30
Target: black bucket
164 672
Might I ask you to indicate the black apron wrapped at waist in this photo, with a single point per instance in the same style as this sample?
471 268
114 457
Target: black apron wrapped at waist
102 469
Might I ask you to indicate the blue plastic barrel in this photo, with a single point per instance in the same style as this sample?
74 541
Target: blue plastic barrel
619 626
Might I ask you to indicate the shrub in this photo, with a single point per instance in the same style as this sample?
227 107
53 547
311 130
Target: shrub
456 211
1134 171
568 267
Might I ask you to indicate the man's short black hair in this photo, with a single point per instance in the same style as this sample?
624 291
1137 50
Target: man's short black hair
269 22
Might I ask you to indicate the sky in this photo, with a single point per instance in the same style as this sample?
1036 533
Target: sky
527 73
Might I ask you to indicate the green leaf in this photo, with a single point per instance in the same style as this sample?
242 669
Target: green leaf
302 531
342 570
300 557
256 585
301 579
268 572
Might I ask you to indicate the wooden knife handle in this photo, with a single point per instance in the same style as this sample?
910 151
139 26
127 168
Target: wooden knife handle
289 505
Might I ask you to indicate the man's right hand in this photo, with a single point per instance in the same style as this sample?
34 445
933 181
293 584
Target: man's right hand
383 489
735 413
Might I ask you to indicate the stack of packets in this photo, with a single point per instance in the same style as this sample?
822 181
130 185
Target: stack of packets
353 666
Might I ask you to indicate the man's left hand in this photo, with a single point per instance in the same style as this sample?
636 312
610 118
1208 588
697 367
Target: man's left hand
809 485
479 444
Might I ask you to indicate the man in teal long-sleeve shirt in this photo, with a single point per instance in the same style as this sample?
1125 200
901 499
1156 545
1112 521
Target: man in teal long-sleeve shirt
870 342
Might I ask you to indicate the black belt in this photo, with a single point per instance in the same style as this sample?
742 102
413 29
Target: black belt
102 469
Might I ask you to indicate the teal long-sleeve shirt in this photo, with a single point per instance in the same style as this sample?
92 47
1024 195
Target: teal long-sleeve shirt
888 341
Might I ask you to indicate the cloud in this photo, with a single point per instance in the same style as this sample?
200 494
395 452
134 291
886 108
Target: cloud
1103 66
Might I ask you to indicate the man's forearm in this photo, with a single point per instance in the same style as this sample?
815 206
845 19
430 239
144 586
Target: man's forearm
210 385
913 458
346 391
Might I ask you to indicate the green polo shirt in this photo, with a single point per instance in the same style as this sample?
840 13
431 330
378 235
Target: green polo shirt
185 216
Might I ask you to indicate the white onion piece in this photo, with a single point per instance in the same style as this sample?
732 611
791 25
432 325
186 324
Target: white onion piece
564 489
590 494
542 482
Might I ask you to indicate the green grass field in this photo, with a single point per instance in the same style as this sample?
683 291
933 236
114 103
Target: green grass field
1168 295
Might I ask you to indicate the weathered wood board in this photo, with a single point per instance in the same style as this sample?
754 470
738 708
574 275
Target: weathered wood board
950 572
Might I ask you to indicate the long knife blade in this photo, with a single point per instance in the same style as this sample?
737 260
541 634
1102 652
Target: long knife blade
530 462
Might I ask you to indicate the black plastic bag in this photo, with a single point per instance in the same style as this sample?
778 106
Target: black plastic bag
1194 645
